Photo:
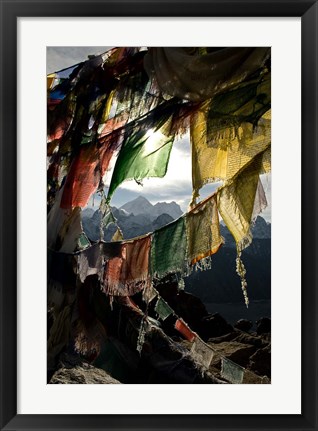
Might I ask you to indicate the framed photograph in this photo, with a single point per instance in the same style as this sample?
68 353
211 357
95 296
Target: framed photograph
106 274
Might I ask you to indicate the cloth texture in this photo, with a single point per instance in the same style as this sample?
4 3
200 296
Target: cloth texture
127 273
190 74
203 230
144 154
232 372
163 309
221 153
202 352
168 249
236 202
184 329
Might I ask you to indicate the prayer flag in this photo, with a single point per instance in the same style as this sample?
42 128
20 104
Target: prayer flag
236 201
85 173
118 235
168 249
163 309
144 154
202 352
149 294
198 73
221 153
184 329
127 273
203 230
232 372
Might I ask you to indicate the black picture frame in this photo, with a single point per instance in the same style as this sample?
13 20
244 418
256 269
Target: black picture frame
10 11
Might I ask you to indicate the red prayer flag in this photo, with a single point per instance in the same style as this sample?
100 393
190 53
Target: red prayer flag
184 329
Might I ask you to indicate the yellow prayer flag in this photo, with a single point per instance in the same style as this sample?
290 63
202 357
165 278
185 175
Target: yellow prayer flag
220 153
203 230
236 201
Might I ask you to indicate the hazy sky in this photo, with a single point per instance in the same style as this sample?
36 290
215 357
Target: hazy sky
176 185
60 57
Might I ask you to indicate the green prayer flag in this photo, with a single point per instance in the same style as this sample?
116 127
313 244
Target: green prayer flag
168 249
163 309
232 372
83 242
144 154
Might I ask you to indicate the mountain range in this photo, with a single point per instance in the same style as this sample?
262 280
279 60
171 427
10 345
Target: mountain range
134 218
141 205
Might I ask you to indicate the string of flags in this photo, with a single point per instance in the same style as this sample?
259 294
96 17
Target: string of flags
82 265
125 108
128 106
184 245
201 352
